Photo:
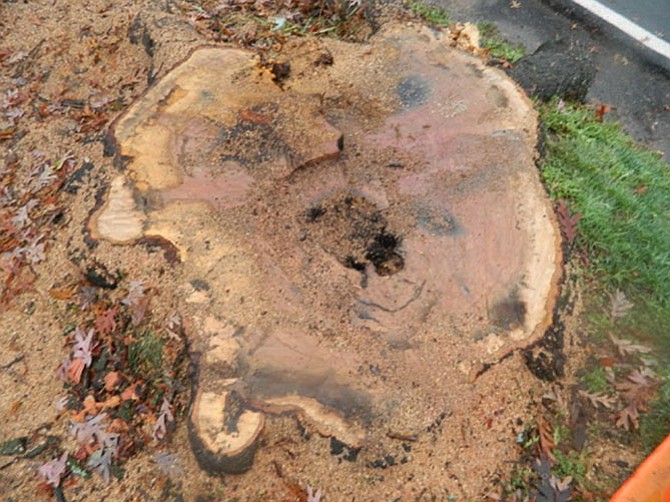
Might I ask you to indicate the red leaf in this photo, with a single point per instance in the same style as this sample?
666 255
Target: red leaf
568 221
104 322
546 438
602 110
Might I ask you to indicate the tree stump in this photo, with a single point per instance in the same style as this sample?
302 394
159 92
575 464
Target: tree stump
370 225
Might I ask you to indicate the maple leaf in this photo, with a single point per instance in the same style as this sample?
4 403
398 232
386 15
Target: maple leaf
639 386
567 221
105 322
83 346
619 305
168 463
54 470
93 430
160 428
135 293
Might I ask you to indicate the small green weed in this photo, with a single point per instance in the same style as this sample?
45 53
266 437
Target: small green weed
430 13
595 380
498 47
570 464
146 354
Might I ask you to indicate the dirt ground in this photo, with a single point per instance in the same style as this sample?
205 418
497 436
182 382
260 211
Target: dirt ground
67 71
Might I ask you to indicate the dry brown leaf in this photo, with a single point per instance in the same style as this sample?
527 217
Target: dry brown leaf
112 402
546 438
628 418
62 293
597 398
75 370
118 425
112 380
626 347
14 408
619 305
130 394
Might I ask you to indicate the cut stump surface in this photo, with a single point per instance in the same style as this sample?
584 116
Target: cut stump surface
371 234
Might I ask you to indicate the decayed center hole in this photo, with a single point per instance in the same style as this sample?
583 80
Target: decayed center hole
353 229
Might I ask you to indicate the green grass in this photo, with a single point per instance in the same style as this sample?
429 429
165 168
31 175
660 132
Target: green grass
491 39
622 192
570 464
595 380
430 13
146 355
655 425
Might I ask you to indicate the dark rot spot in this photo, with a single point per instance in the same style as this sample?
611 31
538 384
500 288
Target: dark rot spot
382 253
314 213
354 230
413 91
280 71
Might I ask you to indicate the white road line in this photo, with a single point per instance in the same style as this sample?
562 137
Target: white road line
624 24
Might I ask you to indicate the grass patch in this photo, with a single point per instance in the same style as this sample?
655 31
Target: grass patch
596 380
622 192
497 45
570 464
146 355
430 13
655 424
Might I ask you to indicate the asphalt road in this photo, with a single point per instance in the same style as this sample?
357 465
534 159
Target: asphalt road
652 15
630 77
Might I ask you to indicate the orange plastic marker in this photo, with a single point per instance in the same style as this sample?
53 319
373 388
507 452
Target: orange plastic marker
651 480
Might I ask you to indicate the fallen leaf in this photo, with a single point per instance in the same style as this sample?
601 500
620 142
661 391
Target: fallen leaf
546 438
62 293
112 380
118 425
628 418
607 362
130 394
90 405
568 221
626 347
619 305
112 402
75 370
14 408
602 110
597 398
105 322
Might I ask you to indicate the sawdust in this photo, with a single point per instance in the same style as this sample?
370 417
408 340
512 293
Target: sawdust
461 431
